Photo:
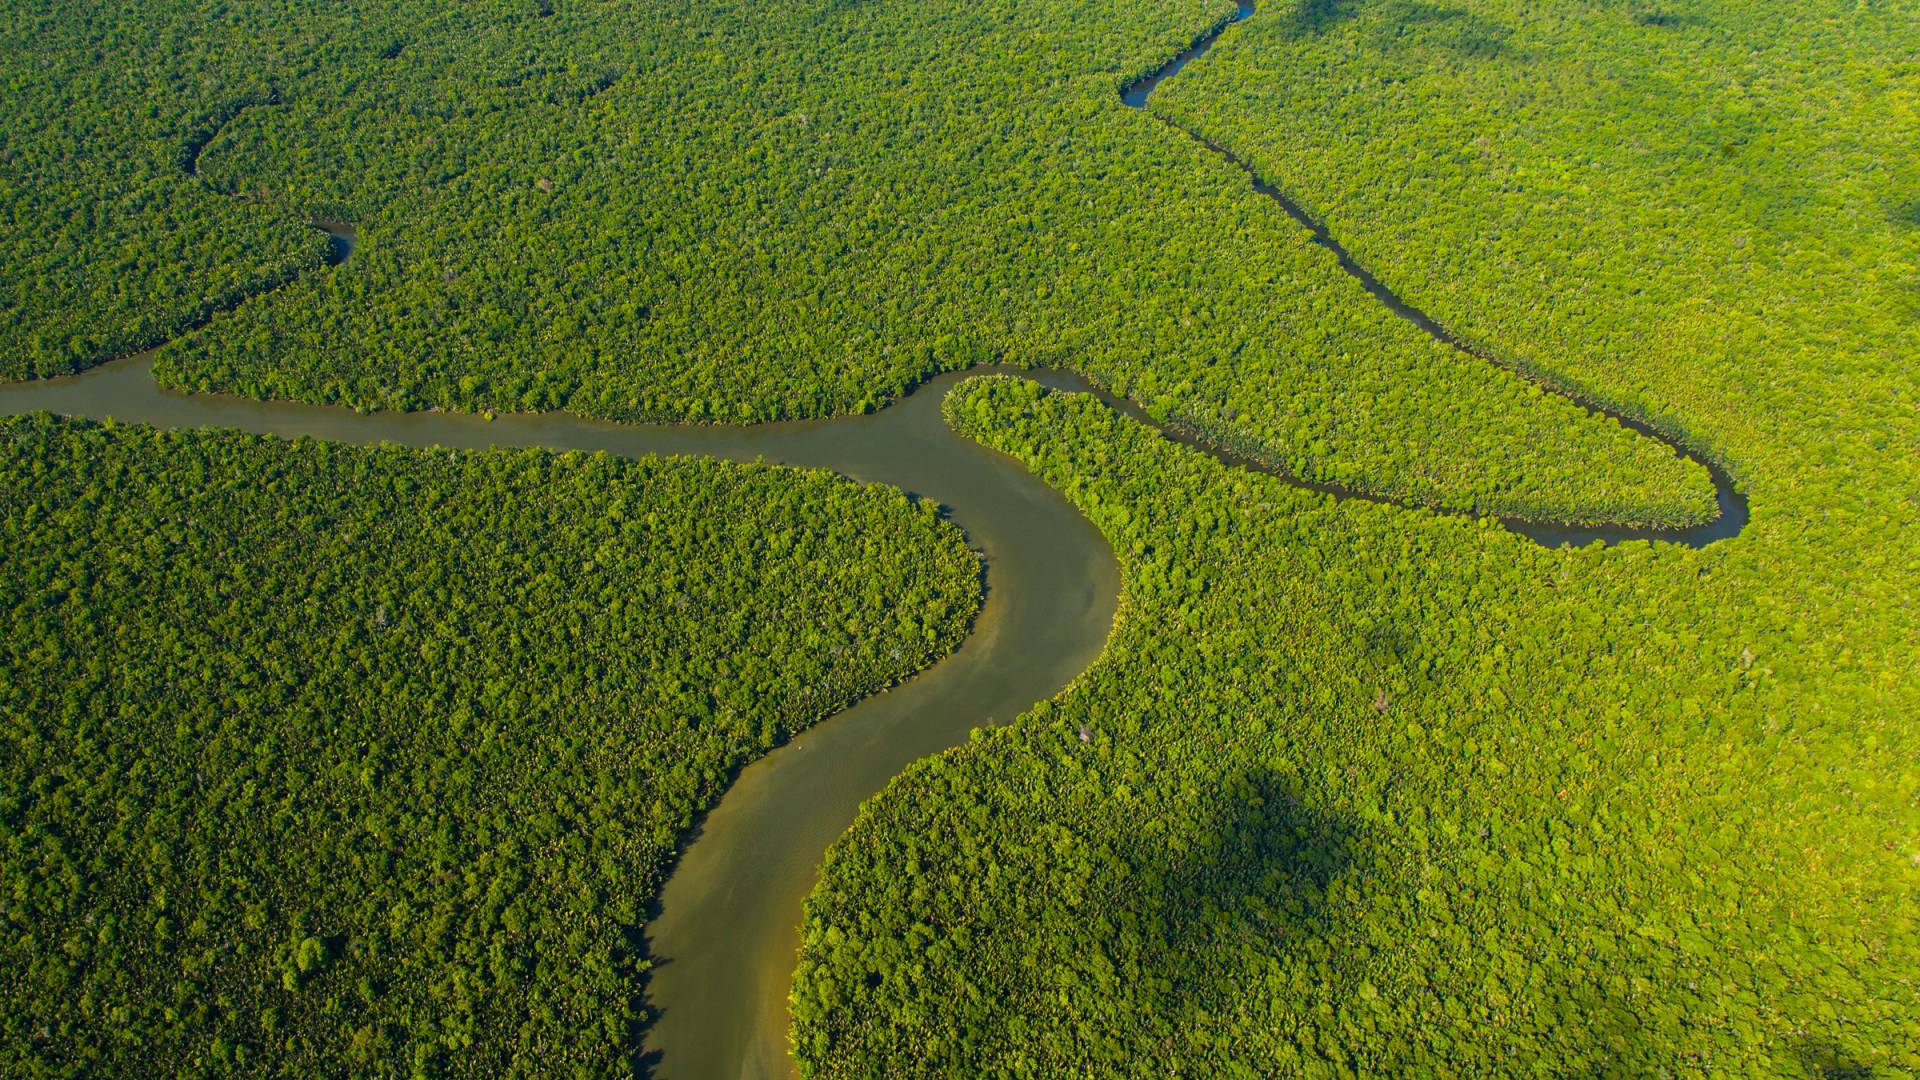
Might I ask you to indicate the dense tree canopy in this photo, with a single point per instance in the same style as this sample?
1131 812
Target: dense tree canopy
325 760
1356 790
334 760
1697 210
648 211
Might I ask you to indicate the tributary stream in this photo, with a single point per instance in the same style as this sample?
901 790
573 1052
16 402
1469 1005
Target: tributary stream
727 931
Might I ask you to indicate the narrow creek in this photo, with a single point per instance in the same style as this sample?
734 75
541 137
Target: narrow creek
1730 502
726 932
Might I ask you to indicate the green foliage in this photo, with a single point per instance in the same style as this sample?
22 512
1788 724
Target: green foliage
328 760
714 213
110 246
309 754
1357 790
1696 211
1362 791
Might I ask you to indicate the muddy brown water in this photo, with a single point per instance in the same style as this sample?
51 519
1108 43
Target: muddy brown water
727 929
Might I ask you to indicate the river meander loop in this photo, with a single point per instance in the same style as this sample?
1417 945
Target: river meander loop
727 930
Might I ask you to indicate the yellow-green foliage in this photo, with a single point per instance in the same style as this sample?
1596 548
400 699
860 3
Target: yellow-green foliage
725 214
319 760
1354 788
1375 791
1697 210
1359 790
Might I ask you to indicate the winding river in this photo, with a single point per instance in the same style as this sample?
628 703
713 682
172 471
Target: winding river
726 931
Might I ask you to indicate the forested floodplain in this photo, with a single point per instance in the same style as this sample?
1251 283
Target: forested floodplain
330 760
650 212
1361 792
1694 210
1358 791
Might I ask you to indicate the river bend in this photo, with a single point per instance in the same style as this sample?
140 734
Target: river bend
726 933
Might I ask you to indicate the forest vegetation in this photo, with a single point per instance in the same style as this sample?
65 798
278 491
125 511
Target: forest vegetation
1695 210
322 760
1358 791
651 212
1362 791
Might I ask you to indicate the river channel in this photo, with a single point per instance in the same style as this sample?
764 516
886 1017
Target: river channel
726 933
727 929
